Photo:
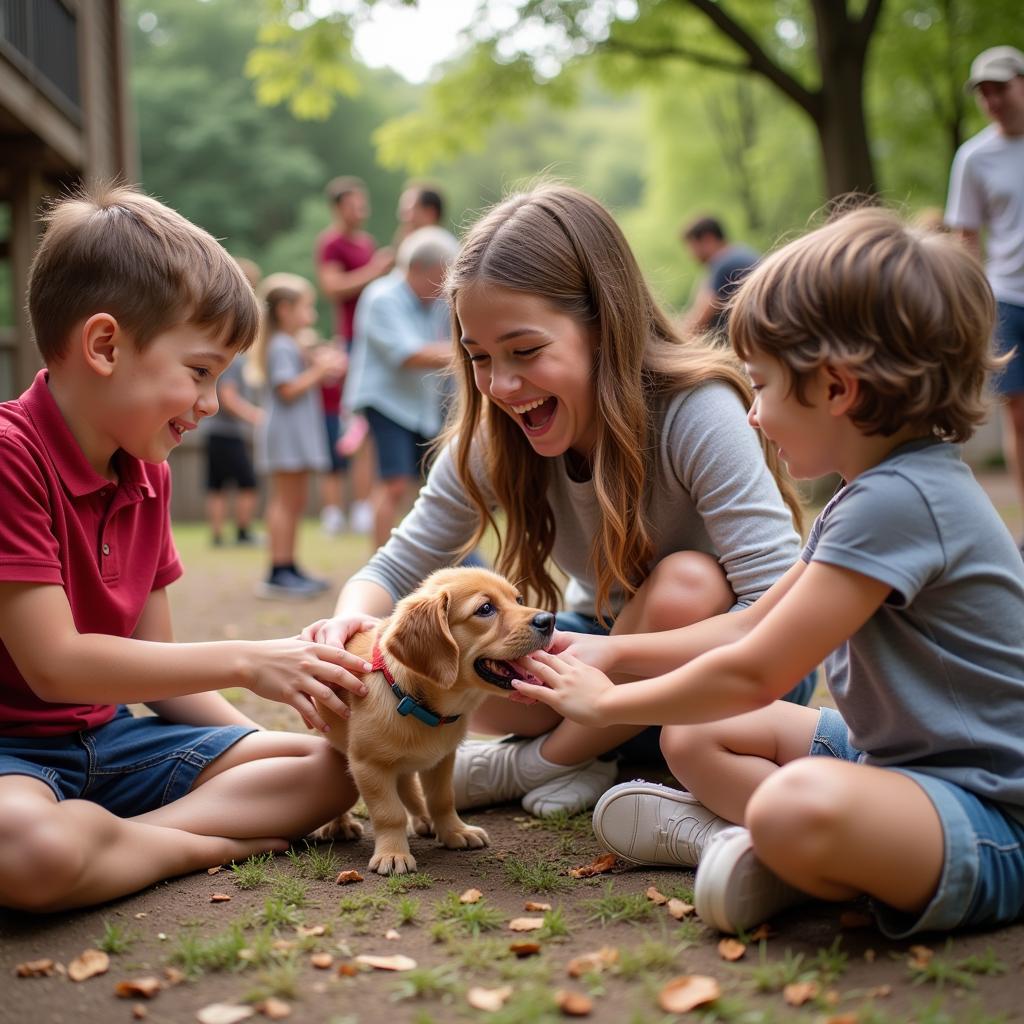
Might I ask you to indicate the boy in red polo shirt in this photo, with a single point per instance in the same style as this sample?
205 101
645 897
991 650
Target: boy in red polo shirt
136 312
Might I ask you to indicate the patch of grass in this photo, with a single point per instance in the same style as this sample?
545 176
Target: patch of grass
278 912
691 932
774 976
555 925
482 954
679 892
535 875
442 931
563 822
426 983
408 910
289 889
356 902
196 955
115 939
944 970
613 906
395 885
315 861
830 963
650 957
530 1004
281 980
252 872
533 970
731 1009
469 918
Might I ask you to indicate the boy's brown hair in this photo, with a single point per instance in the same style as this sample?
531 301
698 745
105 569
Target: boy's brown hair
111 249
908 311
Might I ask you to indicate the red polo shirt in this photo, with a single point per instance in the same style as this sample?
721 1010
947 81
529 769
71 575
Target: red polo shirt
108 545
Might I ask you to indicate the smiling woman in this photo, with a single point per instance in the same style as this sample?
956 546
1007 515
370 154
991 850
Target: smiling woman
615 453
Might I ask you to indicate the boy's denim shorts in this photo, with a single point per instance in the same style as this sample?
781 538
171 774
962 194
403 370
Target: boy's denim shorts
128 765
982 882
646 746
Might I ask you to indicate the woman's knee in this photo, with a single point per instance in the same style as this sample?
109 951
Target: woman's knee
684 587
40 854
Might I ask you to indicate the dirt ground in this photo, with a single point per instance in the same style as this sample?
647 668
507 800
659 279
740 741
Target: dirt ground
251 947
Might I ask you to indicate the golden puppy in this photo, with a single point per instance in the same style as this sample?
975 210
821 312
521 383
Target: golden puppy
445 648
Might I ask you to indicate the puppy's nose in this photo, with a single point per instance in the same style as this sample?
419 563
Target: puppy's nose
543 622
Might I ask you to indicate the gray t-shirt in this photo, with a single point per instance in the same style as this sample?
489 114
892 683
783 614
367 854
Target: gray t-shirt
293 436
225 423
934 680
986 190
711 492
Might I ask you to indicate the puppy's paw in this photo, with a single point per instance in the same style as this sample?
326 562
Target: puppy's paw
390 862
343 827
421 824
461 836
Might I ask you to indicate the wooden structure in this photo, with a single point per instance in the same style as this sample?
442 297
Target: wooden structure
63 118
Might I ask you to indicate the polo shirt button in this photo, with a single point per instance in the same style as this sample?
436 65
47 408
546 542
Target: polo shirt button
106 549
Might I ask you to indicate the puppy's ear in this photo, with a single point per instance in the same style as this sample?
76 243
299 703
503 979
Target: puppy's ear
420 640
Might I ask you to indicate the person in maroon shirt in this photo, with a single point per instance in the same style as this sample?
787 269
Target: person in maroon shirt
347 260
136 312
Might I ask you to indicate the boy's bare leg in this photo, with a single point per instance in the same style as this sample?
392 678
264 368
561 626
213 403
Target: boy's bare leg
837 829
722 763
280 783
58 855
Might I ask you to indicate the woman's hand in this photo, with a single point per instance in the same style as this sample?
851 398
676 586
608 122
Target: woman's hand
597 650
294 671
573 688
337 632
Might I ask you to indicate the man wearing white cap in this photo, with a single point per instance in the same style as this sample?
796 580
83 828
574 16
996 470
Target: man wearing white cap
986 191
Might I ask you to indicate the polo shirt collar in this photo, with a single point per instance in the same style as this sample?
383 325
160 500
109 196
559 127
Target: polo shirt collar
78 477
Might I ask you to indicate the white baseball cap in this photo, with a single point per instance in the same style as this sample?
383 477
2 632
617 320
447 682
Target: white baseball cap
997 64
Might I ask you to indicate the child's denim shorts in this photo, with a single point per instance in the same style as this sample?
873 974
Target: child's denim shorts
128 765
982 883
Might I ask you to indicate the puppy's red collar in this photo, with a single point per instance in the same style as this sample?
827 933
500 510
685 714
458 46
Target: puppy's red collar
407 705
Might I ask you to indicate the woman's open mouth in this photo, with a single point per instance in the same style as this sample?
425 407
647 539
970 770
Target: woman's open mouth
536 416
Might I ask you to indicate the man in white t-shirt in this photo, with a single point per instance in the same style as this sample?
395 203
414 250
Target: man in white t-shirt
986 193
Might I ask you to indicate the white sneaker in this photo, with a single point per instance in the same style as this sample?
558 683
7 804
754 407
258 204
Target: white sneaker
491 771
360 517
577 790
332 520
734 890
646 823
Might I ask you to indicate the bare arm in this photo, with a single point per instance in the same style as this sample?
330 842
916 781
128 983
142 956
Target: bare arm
699 316
824 607
208 708
325 362
64 666
339 284
432 356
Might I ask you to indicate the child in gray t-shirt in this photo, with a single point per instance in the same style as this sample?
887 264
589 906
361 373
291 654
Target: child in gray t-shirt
867 343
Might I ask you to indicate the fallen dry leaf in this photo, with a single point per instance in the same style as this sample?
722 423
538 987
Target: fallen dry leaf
656 897
140 915
524 949
879 992
526 924
921 956
348 877
35 968
215 870
597 867
307 931
536 908
388 963
682 994
869 955
573 1004
599 960
392 935
680 909
489 999
283 945
322 961
471 896
731 949
220 897
174 976
88 964
139 1011
762 932
347 970
274 1008
224 1013
800 992
842 1018
134 988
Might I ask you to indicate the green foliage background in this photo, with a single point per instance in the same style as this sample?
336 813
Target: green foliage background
658 142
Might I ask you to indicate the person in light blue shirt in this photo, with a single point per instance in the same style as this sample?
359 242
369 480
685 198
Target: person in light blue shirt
401 344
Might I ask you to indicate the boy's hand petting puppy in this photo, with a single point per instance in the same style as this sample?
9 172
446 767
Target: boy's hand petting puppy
571 686
294 671
336 633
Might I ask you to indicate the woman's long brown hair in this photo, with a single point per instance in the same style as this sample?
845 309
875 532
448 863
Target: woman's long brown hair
560 244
